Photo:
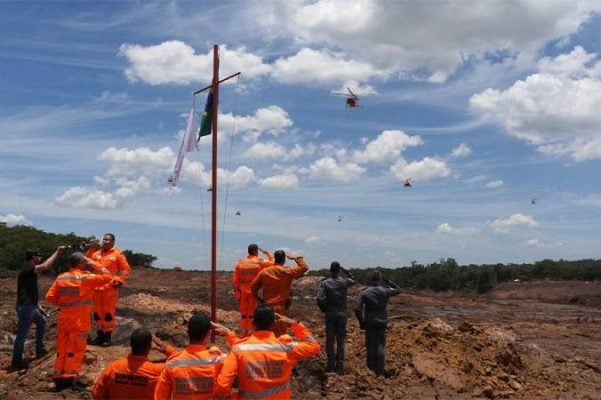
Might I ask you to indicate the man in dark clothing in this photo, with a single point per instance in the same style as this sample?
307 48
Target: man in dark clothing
331 298
374 299
28 309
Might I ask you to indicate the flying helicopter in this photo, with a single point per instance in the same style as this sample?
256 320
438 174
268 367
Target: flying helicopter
533 201
408 182
352 100
238 212
340 218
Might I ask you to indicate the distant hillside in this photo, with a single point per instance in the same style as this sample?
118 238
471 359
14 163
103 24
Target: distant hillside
15 240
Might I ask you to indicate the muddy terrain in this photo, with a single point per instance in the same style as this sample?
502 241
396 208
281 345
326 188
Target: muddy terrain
523 340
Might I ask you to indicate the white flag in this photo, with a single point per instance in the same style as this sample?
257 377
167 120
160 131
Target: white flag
188 144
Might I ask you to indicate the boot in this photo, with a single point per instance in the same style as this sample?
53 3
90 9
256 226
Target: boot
107 339
99 339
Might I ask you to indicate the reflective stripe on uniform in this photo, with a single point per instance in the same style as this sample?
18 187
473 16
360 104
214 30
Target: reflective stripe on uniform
192 362
76 303
71 278
263 346
265 393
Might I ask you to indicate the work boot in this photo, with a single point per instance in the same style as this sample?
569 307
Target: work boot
107 339
18 365
99 339
41 353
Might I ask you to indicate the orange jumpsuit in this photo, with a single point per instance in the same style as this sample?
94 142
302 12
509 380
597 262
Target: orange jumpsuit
190 374
275 282
106 296
134 377
245 271
72 292
264 362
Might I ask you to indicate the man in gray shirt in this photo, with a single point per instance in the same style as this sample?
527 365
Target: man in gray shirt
374 300
331 298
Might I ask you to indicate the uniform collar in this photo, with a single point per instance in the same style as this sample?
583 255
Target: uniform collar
263 334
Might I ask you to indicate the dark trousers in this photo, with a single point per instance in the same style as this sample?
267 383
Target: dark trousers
335 332
375 343
28 314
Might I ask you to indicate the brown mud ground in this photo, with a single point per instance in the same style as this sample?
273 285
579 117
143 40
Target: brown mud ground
523 340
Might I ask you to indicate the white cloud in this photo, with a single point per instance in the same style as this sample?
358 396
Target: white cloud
408 37
328 168
494 184
312 239
542 244
447 229
141 160
516 220
591 200
321 66
423 170
82 197
242 177
388 146
14 219
262 151
556 109
272 119
175 62
284 181
463 150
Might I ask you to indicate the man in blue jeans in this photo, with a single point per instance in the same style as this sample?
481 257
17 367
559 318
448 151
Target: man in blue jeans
28 309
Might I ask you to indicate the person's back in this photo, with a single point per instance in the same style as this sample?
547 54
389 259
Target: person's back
333 293
192 372
133 377
263 362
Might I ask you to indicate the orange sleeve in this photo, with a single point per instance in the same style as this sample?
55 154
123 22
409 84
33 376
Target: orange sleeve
299 270
123 268
236 277
256 284
306 346
226 377
102 387
52 295
163 389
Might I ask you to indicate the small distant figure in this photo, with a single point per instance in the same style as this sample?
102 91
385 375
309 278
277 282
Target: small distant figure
533 201
371 313
28 308
352 100
340 218
408 182
238 212
331 299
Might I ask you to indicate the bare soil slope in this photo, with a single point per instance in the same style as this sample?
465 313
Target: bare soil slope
522 340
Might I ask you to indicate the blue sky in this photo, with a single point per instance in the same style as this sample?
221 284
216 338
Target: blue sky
485 105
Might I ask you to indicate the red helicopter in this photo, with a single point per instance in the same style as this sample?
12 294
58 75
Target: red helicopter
408 182
352 100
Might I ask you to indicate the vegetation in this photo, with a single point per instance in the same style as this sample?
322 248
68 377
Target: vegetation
448 275
15 240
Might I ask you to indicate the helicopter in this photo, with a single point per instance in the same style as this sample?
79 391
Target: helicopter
238 212
340 218
408 182
352 100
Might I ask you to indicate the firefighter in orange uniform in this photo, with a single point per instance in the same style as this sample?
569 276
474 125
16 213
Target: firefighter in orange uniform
245 271
263 362
192 372
275 282
72 292
106 296
134 377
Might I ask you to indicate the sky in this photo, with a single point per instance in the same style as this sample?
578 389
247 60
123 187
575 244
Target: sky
492 108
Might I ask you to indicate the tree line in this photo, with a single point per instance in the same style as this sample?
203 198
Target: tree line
446 274
16 239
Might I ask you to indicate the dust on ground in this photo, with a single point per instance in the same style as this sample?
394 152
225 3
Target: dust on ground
523 340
